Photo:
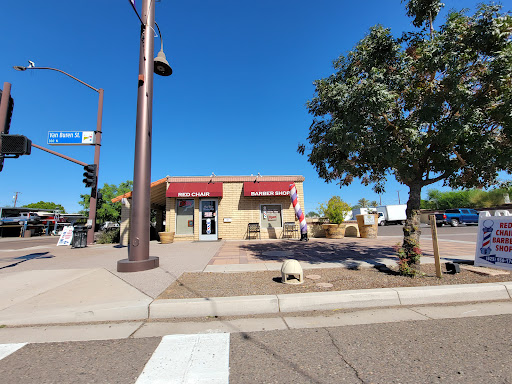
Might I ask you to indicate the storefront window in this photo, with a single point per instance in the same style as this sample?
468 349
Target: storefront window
271 216
185 217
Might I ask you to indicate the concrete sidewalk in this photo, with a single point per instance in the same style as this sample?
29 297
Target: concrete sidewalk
55 285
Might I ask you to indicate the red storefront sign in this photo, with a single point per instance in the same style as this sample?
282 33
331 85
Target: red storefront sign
267 188
194 190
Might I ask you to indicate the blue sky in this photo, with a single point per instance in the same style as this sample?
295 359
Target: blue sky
234 105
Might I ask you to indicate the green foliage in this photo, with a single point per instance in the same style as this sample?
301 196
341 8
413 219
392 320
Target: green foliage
46 205
106 210
365 203
312 214
472 198
423 11
335 210
111 236
424 109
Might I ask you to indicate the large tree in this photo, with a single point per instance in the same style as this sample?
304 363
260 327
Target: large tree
46 205
106 210
423 107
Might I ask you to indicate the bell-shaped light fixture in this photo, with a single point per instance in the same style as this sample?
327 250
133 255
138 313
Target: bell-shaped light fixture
162 66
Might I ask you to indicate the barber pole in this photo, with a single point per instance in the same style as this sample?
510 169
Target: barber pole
298 212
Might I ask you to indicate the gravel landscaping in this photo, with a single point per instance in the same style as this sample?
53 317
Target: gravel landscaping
194 285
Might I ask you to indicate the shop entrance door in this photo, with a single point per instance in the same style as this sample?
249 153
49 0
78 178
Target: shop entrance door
208 226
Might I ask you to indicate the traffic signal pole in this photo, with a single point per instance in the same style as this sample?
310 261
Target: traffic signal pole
4 104
94 190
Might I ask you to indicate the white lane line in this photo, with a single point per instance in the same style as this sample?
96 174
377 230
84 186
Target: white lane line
188 359
7 349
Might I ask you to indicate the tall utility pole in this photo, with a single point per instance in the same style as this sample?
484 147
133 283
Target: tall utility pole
138 250
15 198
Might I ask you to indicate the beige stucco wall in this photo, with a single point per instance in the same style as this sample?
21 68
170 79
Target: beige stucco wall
125 222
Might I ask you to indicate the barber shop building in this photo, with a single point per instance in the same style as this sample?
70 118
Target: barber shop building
203 208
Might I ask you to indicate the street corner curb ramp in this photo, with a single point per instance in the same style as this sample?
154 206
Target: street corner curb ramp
317 301
69 296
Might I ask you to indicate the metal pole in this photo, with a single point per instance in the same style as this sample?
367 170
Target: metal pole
138 251
4 103
59 155
94 191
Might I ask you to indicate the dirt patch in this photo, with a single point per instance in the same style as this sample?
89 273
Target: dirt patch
194 285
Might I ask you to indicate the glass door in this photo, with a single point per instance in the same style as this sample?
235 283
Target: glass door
208 225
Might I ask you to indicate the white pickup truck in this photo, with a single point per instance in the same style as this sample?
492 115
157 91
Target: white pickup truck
22 218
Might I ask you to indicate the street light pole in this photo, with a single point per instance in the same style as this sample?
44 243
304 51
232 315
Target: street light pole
138 251
94 190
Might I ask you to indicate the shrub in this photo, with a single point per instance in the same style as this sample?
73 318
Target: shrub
335 210
110 236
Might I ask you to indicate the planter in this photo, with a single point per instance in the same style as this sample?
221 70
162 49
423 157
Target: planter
368 225
166 237
334 231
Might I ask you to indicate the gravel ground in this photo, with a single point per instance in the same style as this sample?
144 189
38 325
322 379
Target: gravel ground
193 285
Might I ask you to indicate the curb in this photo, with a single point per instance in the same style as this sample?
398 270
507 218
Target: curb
317 301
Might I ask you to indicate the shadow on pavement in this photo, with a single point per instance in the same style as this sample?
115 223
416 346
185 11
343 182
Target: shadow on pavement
318 252
32 256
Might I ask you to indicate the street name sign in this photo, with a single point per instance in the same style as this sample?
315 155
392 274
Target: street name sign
71 138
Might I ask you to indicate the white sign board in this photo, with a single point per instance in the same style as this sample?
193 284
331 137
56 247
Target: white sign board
369 219
66 236
494 242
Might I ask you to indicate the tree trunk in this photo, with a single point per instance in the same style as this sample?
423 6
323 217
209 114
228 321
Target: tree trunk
410 253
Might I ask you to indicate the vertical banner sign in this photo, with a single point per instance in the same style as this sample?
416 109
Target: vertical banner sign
494 242
298 211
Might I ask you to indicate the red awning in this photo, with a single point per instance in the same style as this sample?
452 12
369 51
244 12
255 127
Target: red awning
194 190
267 188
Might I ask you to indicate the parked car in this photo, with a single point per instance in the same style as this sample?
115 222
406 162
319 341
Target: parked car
22 218
457 216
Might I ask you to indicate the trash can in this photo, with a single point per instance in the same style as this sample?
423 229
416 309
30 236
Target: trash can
79 237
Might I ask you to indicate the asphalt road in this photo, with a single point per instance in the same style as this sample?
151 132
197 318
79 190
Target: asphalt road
464 233
467 350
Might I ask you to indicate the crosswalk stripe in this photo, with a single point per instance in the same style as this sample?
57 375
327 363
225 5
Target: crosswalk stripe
7 349
187 359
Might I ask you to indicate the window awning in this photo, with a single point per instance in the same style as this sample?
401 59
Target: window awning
194 190
267 188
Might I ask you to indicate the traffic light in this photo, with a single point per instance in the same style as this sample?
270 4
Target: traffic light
10 106
15 145
90 175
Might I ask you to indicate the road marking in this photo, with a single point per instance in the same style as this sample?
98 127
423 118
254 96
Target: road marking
201 358
7 349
